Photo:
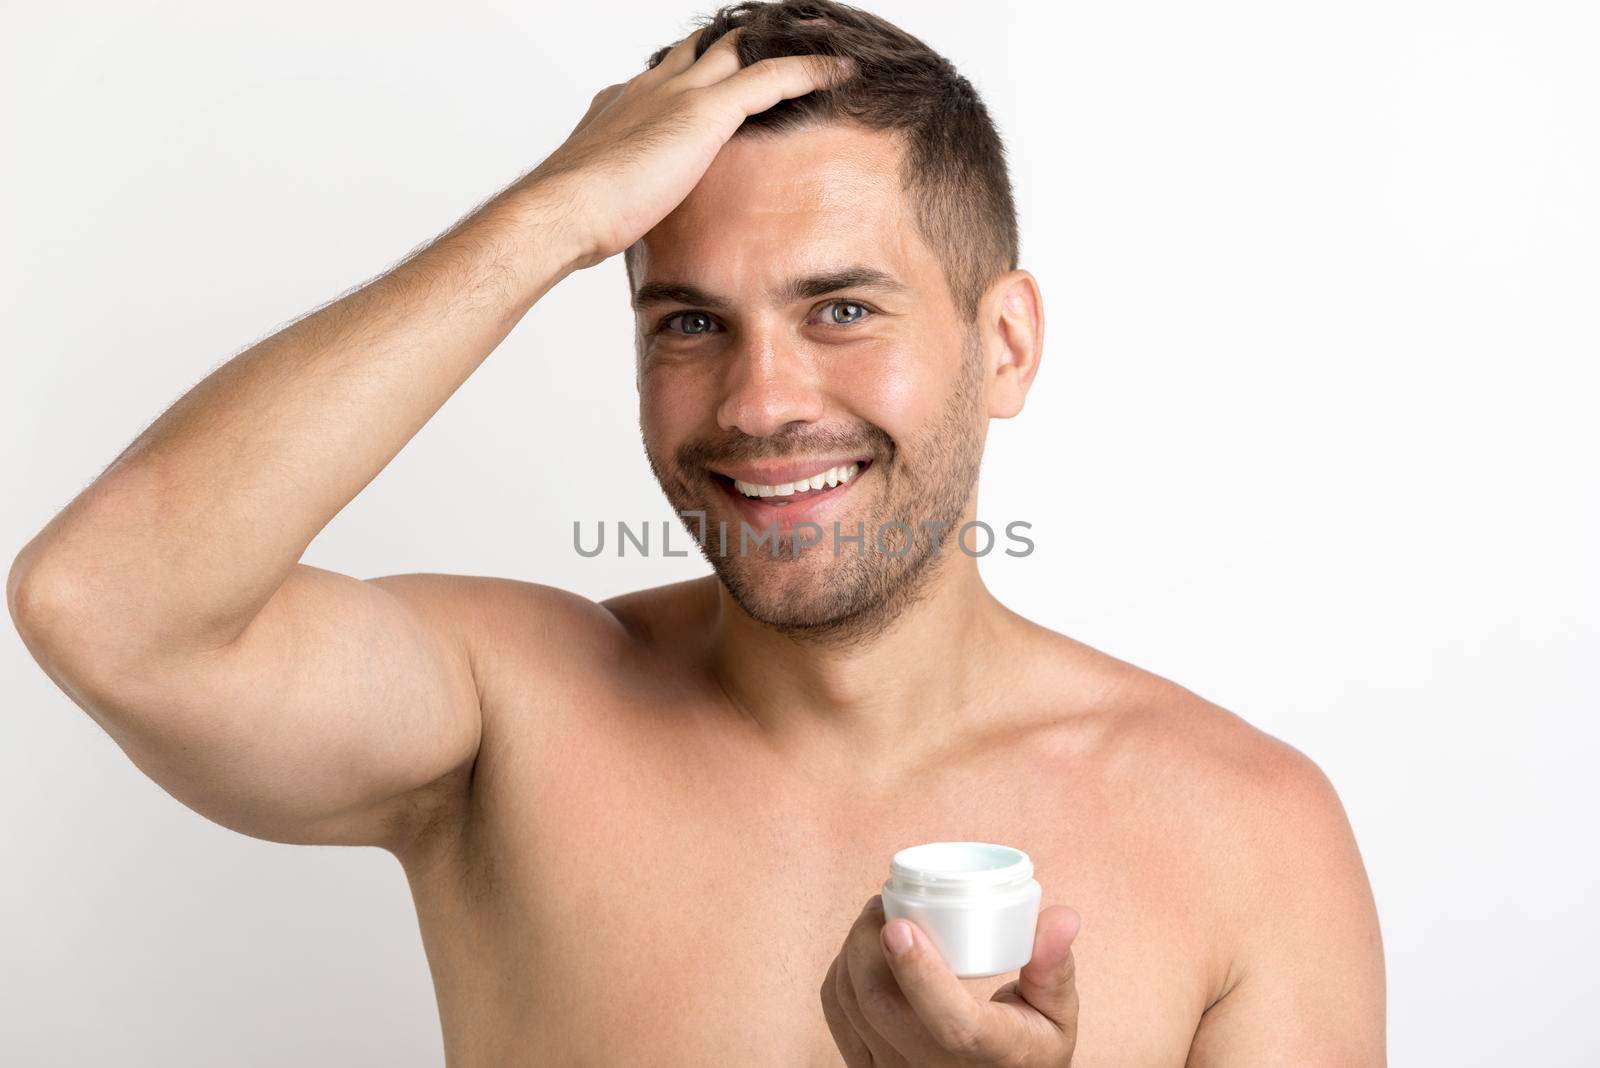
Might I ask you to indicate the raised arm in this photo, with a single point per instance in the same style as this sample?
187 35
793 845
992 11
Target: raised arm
168 601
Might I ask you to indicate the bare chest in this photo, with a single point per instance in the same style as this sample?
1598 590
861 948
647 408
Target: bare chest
651 901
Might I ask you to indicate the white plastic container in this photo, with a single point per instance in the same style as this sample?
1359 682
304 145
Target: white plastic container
978 903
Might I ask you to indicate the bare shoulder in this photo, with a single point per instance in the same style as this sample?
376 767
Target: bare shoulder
538 651
545 663
1265 808
531 645
1225 762
666 618
511 624
1300 975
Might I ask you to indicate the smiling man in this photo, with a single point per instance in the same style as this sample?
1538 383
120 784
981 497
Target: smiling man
819 379
649 830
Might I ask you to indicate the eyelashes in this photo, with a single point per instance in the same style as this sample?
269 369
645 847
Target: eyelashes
706 323
663 327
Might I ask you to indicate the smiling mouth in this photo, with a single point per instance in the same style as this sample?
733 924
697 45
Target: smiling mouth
827 482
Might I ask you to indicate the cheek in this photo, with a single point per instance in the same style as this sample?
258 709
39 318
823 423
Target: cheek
897 389
674 403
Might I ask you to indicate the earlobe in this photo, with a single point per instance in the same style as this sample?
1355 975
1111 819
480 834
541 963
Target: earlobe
1013 314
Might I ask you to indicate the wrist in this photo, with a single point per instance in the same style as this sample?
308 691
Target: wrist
523 239
550 224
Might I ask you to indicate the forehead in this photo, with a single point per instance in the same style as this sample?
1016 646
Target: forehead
777 206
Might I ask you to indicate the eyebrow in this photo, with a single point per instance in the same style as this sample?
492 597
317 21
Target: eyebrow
815 285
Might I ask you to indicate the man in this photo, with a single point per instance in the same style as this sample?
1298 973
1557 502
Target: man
648 831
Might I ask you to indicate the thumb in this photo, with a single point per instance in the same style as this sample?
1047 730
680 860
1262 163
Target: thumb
1048 981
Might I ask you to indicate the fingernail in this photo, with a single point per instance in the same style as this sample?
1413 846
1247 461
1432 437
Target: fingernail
897 936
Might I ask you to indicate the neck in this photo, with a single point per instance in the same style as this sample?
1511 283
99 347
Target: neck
903 687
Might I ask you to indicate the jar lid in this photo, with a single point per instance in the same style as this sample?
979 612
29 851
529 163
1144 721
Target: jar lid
961 864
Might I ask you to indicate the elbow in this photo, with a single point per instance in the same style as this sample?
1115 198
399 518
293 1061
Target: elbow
36 595
50 608
40 603
86 576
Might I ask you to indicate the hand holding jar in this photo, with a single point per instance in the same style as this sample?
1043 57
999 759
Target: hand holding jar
949 911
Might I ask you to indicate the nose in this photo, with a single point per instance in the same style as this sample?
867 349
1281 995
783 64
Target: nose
768 384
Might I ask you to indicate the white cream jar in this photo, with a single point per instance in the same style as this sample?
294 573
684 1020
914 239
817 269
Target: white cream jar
978 903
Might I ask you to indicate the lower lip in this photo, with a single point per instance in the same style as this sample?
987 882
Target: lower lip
813 506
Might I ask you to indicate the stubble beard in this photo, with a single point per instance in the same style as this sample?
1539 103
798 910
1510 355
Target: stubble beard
819 597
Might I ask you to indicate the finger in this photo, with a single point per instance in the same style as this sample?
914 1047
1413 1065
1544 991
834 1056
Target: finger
1048 981
956 1020
677 60
717 63
763 83
866 1013
888 1015
880 1047
845 1036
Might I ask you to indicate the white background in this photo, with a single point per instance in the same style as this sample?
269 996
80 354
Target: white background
1313 436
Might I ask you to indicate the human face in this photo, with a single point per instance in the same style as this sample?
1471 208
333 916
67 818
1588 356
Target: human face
790 320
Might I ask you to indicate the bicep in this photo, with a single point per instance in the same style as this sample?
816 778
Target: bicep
323 721
1308 987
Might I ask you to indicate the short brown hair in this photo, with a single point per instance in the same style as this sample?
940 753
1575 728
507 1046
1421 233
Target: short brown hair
954 168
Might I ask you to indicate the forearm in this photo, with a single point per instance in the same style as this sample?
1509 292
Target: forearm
189 532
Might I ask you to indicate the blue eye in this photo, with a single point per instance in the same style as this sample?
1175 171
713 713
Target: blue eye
694 323
845 312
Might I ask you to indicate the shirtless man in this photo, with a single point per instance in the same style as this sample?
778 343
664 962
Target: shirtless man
650 830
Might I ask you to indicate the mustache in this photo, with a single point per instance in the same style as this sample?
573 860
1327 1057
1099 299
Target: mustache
792 440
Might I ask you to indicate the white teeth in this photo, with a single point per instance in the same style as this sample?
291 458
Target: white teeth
833 476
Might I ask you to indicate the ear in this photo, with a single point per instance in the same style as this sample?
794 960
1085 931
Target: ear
1011 332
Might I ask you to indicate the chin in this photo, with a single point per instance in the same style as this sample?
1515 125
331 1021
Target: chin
815 592
825 600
